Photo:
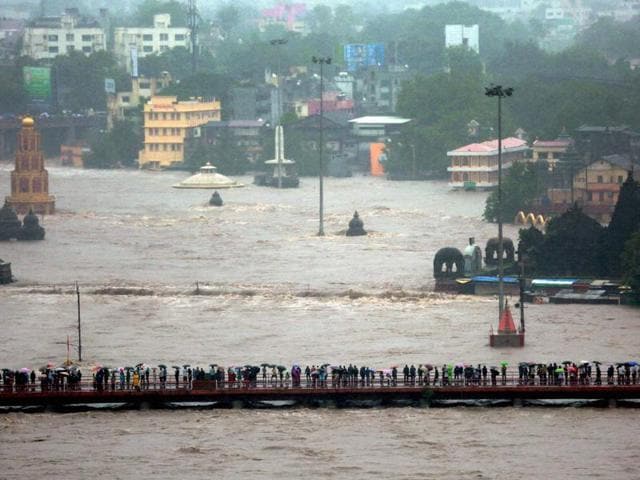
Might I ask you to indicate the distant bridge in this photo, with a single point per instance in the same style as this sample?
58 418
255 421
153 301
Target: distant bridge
55 130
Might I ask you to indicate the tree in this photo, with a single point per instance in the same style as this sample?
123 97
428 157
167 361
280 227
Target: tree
571 244
631 264
530 245
625 221
522 185
116 148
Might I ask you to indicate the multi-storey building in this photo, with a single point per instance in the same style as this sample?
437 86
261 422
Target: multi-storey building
48 37
146 41
551 150
476 165
167 122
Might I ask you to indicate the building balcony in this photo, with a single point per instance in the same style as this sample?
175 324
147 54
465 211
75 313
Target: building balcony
477 186
478 168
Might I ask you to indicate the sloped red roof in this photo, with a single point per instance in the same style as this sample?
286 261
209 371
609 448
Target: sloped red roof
491 146
506 321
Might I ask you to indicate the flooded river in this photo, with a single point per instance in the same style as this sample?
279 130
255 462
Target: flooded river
168 279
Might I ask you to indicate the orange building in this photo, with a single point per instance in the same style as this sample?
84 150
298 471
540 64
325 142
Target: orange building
167 122
73 155
29 179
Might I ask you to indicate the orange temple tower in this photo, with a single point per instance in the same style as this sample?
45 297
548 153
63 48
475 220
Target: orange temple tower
29 179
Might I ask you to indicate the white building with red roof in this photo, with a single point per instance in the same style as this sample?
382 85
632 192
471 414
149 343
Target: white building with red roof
475 166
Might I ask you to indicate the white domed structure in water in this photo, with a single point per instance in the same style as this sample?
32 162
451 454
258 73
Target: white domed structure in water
207 177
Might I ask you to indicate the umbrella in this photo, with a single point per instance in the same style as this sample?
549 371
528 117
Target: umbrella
162 365
212 365
504 364
186 365
460 365
174 366
262 364
25 370
566 362
584 362
61 369
597 362
632 363
281 368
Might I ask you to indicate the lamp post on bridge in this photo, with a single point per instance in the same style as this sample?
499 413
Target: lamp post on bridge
500 92
322 61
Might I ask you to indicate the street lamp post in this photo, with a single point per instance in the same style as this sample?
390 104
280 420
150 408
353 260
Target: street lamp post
500 92
322 61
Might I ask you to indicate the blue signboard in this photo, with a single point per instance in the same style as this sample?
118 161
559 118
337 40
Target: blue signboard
359 55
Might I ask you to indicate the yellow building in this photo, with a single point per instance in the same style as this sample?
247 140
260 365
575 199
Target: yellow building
167 122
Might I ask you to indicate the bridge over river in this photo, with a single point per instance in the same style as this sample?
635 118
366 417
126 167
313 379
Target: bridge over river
55 130
211 394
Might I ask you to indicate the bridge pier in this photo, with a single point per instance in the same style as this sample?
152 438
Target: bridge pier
613 403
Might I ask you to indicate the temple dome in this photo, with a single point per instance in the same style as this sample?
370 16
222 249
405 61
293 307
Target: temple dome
208 178
28 122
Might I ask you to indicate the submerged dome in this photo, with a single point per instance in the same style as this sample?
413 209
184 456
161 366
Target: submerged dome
28 122
207 177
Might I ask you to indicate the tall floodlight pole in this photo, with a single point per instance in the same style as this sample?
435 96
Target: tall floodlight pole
192 23
79 325
500 92
277 43
322 61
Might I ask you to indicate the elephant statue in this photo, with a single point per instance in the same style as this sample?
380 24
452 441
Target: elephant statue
451 259
491 251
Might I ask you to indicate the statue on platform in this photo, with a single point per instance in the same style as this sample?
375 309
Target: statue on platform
356 226
9 224
491 251
451 259
472 258
216 200
31 229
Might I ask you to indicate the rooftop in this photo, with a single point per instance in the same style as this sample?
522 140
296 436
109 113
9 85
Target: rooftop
380 120
490 147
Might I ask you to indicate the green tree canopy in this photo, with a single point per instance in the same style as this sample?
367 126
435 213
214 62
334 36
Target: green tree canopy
522 185
571 244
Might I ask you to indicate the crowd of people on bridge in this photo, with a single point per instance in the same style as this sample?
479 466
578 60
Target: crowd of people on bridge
144 377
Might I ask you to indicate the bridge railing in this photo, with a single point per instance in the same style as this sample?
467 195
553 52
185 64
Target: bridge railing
511 379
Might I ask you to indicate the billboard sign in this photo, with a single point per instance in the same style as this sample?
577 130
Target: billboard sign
110 86
37 84
359 55
134 62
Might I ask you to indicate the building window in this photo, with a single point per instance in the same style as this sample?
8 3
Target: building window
147 37
87 38
86 49
600 196
125 99
147 49
590 196
620 179
164 37
179 147
70 48
600 179
609 194
52 38
53 49
179 37
164 147
69 37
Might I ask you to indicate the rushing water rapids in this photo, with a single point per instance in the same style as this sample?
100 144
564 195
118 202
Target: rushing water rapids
271 290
